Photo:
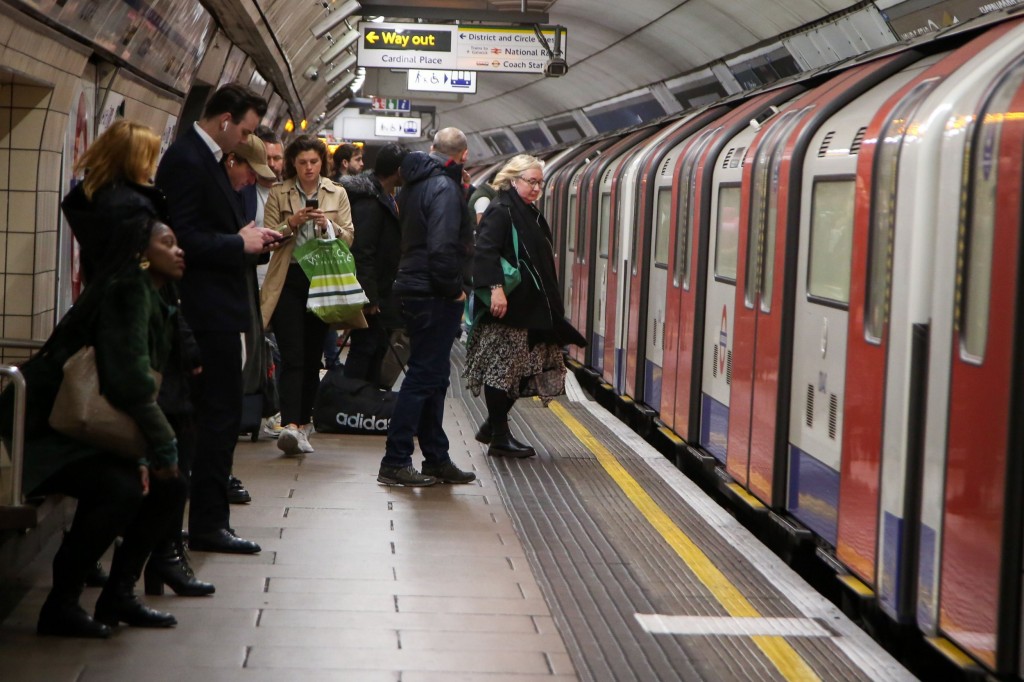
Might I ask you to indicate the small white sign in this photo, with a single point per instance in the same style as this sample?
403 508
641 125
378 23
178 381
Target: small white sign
390 126
443 81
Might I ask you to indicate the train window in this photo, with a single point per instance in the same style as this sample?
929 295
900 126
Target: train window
684 231
883 210
662 227
727 232
772 214
828 277
976 264
571 223
603 218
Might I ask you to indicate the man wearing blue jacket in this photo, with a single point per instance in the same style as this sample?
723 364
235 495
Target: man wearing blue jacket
437 249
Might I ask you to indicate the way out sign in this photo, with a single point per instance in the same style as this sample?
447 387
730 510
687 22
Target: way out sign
407 46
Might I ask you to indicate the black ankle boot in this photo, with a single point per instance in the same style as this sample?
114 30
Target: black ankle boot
483 435
504 445
118 604
63 617
169 566
96 577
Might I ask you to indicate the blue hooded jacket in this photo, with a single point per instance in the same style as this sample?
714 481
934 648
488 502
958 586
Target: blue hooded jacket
437 228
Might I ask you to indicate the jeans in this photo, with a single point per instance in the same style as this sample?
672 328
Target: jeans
433 324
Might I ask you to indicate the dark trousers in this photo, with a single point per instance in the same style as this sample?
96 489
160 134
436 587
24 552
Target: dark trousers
366 351
110 503
185 433
218 419
300 338
433 324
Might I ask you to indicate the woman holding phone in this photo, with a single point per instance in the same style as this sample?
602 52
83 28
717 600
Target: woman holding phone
307 205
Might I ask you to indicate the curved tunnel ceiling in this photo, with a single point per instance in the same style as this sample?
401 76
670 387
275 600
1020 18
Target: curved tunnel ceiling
613 47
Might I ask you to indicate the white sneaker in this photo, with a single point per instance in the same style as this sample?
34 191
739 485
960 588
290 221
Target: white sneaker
271 427
304 433
288 441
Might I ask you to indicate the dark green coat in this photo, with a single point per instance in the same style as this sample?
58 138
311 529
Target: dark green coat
131 329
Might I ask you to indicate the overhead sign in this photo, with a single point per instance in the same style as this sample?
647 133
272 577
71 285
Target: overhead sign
390 104
512 49
442 81
390 126
407 46
504 48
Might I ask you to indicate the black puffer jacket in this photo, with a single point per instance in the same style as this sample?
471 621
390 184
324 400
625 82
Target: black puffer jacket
378 243
437 229
117 204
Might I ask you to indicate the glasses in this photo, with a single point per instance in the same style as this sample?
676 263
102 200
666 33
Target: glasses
534 184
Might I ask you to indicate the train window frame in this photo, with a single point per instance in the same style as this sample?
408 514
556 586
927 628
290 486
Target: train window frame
849 179
882 216
662 246
603 223
570 213
683 247
761 207
722 188
974 257
767 284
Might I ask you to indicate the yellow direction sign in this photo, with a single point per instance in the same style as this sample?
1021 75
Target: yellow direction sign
422 46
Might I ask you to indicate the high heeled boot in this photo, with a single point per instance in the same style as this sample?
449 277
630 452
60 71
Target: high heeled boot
504 445
168 565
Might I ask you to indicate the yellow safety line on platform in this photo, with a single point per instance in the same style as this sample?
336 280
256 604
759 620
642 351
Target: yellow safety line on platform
789 663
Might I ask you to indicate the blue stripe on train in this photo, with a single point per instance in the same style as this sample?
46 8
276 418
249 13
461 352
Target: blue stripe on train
652 385
597 355
890 590
813 494
714 426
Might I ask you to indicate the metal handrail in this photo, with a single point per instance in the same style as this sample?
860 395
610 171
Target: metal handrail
18 437
21 343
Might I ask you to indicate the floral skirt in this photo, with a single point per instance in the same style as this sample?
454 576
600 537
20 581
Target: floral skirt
501 357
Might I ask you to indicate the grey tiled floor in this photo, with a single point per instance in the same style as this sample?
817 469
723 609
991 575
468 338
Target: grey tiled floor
356 581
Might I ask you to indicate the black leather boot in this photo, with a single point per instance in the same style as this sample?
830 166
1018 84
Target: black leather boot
118 604
169 566
61 616
504 445
483 435
96 577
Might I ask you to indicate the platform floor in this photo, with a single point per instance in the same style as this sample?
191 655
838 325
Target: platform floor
597 560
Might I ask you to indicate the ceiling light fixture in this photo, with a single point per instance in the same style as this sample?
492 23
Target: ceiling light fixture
335 17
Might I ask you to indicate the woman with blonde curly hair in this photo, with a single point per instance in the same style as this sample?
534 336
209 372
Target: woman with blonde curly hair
514 349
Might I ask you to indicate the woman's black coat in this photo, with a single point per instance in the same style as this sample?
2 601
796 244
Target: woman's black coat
534 306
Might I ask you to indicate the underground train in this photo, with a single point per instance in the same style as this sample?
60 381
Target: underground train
814 289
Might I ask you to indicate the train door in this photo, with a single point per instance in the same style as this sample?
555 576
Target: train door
634 330
685 293
980 572
723 243
888 318
821 319
595 227
621 233
767 288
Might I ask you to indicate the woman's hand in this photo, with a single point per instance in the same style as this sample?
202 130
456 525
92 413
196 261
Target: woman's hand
144 479
499 304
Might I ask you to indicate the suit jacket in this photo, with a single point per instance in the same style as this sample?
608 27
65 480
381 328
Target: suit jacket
206 214
248 194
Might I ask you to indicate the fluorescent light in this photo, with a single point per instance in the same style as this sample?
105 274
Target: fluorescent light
321 28
339 45
342 65
340 85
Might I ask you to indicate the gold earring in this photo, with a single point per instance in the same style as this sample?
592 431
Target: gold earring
144 263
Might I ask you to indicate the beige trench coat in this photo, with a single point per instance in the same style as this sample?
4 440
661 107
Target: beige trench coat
284 201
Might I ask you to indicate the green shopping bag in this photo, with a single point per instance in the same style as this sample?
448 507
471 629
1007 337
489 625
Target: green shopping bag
513 275
334 291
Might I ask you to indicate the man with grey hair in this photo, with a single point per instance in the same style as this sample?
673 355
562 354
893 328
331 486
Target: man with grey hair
437 249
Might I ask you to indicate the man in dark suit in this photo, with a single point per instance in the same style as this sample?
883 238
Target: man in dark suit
207 216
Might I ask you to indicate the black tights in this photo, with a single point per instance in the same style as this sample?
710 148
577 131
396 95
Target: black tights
499 404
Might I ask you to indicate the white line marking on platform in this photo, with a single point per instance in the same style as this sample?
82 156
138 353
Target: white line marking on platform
726 625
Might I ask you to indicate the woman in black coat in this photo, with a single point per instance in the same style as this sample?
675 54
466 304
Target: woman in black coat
515 344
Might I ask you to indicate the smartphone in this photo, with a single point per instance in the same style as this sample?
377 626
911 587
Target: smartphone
312 203
282 238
